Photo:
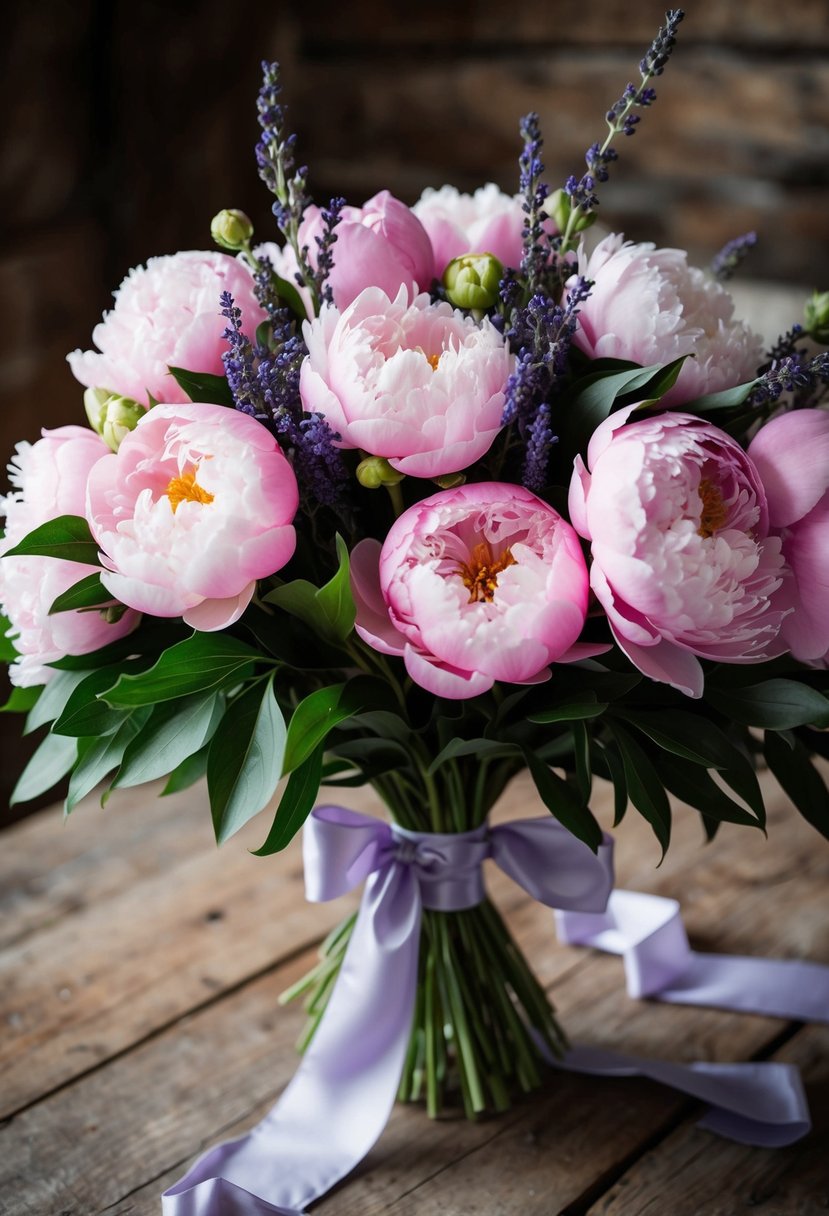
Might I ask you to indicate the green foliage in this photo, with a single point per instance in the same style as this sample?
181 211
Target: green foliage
801 781
88 593
244 762
295 804
67 537
329 610
776 704
52 760
203 386
201 663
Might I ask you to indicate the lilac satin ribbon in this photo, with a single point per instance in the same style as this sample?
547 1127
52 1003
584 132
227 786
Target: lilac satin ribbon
340 1098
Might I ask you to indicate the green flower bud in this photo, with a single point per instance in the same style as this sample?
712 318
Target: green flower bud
94 402
448 481
816 315
472 280
557 206
231 230
375 471
120 416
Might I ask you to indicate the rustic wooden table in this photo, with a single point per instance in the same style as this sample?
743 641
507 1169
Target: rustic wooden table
141 970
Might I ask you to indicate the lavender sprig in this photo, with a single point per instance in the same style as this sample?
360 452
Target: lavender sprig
731 256
540 440
536 249
785 347
794 374
621 120
330 216
278 170
238 361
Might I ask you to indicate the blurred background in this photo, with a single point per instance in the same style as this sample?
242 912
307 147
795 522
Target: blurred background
129 123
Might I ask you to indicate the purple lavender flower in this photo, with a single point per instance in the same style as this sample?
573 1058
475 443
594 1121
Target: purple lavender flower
239 361
330 216
540 439
732 254
536 247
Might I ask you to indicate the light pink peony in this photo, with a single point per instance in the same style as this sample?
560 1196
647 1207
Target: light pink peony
683 563
487 221
649 306
381 244
477 584
194 507
166 313
50 479
792 455
420 383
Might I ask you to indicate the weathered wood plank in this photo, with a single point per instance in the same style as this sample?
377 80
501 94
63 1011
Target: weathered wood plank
145 1113
720 1178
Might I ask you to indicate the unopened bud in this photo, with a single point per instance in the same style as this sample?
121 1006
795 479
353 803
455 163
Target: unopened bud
448 481
816 315
231 230
113 613
472 280
94 402
120 416
557 206
375 471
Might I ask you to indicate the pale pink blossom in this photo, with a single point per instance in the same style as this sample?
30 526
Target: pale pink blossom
49 479
649 306
481 583
487 221
683 563
381 244
420 383
792 455
196 505
167 314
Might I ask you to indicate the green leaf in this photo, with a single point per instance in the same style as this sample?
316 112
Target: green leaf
84 714
22 700
88 593
98 757
203 386
693 785
372 756
188 772
685 734
569 711
67 537
244 763
596 395
799 779
581 751
482 749
174 731
563 801
645 788
774 704
289 295
316 715
728 399
51 761
51 701
295 804
200 663
8 652
328 610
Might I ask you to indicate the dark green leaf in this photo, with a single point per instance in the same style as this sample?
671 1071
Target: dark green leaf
563 802
67 537
693 785
84 714
328 610
685 734
22 700
595 396
773 704
569 711
7 649
289 295
174 731
800 780
88 593
314 717
188 772
203 386
202 662
482 749
581 751
51 761
295 805
645 788
98 757
51 701
244 763
726 400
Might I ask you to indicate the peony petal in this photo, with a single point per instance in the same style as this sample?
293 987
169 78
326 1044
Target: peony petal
210 615
442 680
792 457
666 664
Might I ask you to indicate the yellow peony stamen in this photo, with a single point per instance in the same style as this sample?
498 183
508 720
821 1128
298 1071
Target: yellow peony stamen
714 511
186 489
433 361
480 573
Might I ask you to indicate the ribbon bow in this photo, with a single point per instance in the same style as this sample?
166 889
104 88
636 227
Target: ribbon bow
340 1098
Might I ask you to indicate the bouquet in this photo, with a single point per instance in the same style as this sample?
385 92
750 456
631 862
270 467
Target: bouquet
423 498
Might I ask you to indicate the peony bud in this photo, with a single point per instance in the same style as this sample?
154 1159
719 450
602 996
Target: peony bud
94 402
375 471
120 415
558 207
816 315
472 280
231 229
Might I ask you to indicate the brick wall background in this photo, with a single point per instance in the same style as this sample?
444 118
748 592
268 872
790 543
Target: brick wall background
128 123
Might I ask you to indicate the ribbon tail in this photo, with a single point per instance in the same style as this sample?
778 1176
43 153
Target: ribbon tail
761 1104
340 1098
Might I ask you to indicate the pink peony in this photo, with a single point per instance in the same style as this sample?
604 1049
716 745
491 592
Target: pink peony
166 313
792 455
649 306
50 479
487 221
381 244
683 563
194 507
420 383
473 585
